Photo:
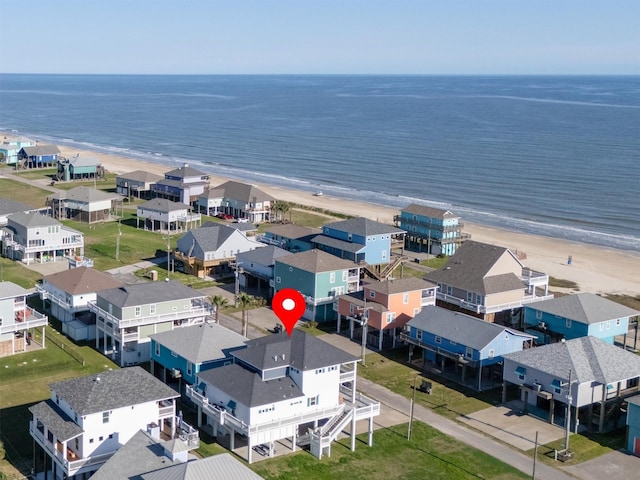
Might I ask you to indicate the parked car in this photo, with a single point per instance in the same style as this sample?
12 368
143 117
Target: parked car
242 220
225 216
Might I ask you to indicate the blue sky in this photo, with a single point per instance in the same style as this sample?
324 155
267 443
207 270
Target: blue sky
321 36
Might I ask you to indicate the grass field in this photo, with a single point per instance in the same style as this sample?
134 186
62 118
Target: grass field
29 194
429 455
15 272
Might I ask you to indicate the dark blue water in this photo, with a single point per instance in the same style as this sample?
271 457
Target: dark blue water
553 155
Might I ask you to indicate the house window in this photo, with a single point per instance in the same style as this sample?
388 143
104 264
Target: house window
479 300
538 315
557 386
332 277
189 368
470 297
391 317
419 334
617 322
438 339
449 290
469 352
345 276
384 255
278 280
138 311
492 352
608 324
568 323
105 417
416 311
352 308
157 349
152 309
521 372
313 401
601 326
405 298
174 354
372 294
452 342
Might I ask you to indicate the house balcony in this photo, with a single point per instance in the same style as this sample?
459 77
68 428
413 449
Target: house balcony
166 409
534 279
46 295
261 237
192 316
31 319
461 359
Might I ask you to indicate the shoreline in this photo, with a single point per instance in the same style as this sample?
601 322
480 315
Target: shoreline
595 269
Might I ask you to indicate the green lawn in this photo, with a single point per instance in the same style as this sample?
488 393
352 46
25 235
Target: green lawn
37 173
29 194
429 455
17 273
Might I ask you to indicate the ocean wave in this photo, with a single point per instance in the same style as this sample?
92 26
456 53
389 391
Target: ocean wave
552 100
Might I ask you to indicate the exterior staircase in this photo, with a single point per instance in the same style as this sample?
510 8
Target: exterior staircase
322 438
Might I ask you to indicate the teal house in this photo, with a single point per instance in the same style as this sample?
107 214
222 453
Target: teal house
633 425
290 237
320 277
433 230
358 239
177 356
10 149
577 315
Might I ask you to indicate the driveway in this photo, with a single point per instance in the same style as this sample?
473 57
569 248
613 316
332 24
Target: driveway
617 465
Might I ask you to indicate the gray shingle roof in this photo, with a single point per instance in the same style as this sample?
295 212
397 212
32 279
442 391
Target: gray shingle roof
201 343
248 388
146 293
589 359
208 239
399 285
11 290
338 244
163 205
32 219
429 212
212 193
316 261
82 280
364 227
265 256
140 176
112 389
141 454
39 150
458 327
218 467
85 194
185 172
290 230
300 350
357 299
58 422
8 206
468 269
244 192
585 308
84 161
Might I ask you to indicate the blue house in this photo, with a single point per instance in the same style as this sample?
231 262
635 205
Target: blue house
39 156
633 425
358 239
454 341
177 356
577 315
435 230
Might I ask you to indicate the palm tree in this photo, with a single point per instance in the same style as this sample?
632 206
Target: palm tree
281 207
245 301
220 302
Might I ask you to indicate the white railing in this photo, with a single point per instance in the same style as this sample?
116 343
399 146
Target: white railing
45 294
166 412
474 307
150 319
270 241
38 321
347 376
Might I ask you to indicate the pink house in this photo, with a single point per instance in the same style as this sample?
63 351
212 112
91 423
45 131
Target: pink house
385 307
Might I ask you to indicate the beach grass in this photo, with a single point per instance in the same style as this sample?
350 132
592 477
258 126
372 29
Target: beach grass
20 192
563 283
429 454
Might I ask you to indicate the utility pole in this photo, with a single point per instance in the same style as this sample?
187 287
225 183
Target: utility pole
168 255
365 321
535 456
118 242
412 403
568 415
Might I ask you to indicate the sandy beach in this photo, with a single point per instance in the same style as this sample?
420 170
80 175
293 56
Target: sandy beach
595 269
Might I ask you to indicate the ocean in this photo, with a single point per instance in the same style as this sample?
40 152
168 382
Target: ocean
551 155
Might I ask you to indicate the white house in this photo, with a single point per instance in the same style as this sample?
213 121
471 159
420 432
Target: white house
87 419
16 319
8 207
31 237
164 215
241 200
182 184
282 386
67 295
84 204
209 249
127 316
256 267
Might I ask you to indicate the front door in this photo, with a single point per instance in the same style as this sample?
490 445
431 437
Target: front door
636 446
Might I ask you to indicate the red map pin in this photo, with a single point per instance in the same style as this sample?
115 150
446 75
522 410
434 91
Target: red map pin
289 306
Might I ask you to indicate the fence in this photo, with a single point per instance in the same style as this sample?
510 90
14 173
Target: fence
55 339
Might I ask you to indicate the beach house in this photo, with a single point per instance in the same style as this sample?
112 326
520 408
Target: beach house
136 184
577 315
10 149
86 420
489 282
34 238
66 295
163 215
178 356
240 200
210 250
633 425
8 206
127 316
184 185
590 375
280 387
433 230
320 277
39 156
84 204
289 236
384 307
17 319
359 240
256 267
462 347
79 168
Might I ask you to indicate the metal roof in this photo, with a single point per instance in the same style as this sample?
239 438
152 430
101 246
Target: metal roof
218 467
85 194
584 308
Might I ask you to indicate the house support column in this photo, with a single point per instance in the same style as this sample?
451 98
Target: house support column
370 442
602 408
232 440
480 377
552 408
526 403
200 418
249 448
353 432
380 339
43 337
339 319
351 328
575 419
353 383
294 439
